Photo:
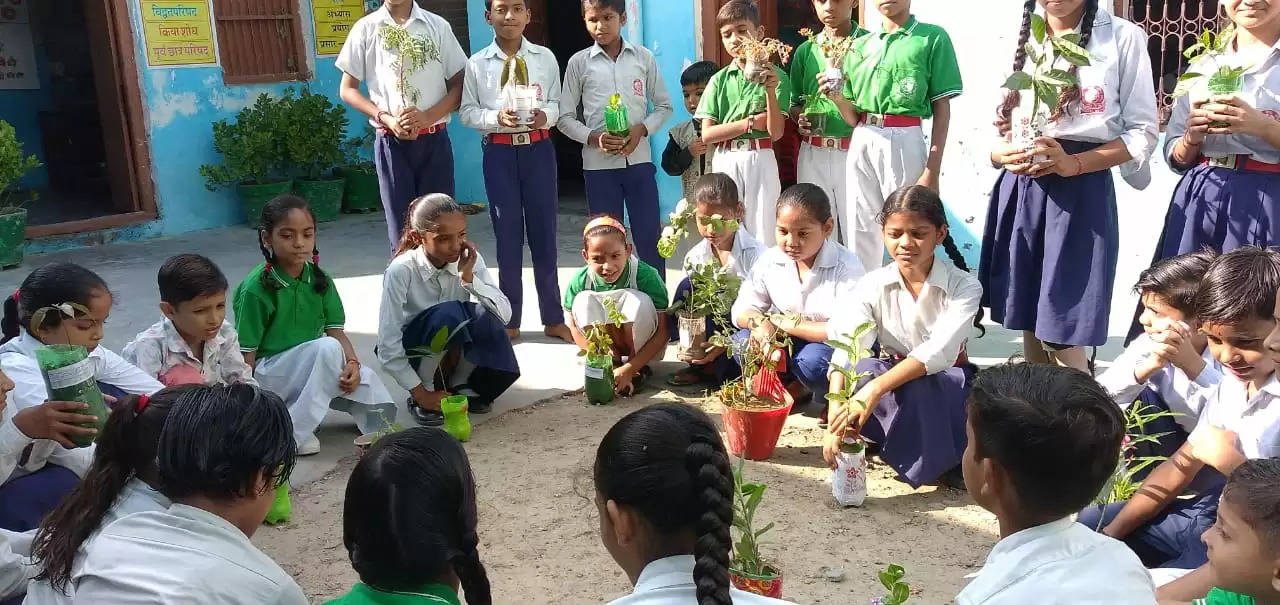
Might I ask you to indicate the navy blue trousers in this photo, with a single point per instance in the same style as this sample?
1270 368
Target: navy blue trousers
635 187
408 170
483 341
1171 538
26 500
521 183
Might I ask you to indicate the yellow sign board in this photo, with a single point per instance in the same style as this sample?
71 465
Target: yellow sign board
177 32
333 21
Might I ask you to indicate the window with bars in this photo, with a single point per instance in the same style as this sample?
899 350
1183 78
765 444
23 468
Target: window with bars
1172 26
260 41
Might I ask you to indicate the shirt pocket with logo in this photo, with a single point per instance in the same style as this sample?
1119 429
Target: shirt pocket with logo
910 85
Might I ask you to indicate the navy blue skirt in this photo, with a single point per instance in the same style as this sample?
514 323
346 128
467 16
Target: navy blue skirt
1223 209
26 500
1049 254
483 340
920 426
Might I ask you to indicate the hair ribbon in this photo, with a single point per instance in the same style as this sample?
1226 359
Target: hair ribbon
143 400
604 221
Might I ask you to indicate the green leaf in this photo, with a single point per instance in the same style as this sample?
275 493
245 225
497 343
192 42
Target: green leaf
1060 78
887 580
761 531
1072 37
1033 53
1046 93
1225 38
1194 50
1038 28
901 593
897 571
1186 83
440 339
1072 52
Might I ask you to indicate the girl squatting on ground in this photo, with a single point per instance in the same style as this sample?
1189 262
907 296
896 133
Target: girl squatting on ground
1052 236
439 282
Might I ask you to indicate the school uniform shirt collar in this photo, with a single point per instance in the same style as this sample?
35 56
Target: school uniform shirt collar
670 572
284 280
24 344
174 343
416 13
429 270
493 51
596 49
429 593
938 276
907 28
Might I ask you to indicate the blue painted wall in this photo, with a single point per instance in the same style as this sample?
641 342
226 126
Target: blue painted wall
20 108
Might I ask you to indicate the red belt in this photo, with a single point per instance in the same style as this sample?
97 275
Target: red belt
1241 162
519 138
829 142
890 121
747 144
428 130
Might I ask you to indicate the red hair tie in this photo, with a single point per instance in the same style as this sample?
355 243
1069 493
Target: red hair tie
143 400
17 293
315 259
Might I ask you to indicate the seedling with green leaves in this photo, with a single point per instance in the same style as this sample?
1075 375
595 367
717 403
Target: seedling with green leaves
850 344
1047 79
1122 486
599 342
747 496
1210 50
413 52
436 348
898 591
681 221
712 292
740 392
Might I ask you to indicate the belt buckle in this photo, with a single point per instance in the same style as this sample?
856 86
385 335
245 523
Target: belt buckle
520 138
740 145
830 142
1228 161
874 119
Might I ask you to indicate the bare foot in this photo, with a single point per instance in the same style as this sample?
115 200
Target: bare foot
560 331
513 334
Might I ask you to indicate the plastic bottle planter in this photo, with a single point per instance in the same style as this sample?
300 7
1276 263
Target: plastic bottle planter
849 479
524 99
755 71
693 337
835 79
456 421
1025 130
616 120
599 379
68 374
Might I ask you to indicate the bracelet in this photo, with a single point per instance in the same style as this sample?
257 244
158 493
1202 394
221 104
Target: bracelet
378 117
749 120
1079 164
353 360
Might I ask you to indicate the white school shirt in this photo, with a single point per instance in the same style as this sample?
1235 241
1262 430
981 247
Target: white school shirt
184 555
1060 563
1255 421
669 581
1117 95
364 58
775 287
1261 89
161 348
412 285
931 329
742 257
590 78
136 497
1173 385
483 99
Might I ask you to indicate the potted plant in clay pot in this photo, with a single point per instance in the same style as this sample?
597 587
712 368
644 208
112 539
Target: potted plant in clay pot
1048 77
361 192
748 569
13 217
251 156
849 479
598 362
1209 53
312 138
756 404
897 591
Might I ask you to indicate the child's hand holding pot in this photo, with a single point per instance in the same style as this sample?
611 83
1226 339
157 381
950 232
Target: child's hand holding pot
59 421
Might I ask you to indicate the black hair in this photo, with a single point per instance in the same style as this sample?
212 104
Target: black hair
1176 279
49 285
410 515
1251 488
187 276
921 200
738 10
667 463
1238 286
423 215
599 230
716 189
809 197
125 449
275 211
1071 94
218 441
620 6
698 73
1054 430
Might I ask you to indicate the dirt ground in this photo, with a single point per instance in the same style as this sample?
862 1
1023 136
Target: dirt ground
539 530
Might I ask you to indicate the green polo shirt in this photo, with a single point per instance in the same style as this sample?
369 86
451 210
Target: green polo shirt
1219 596
361 594
729 97
647 280
276 319
904 72
806 63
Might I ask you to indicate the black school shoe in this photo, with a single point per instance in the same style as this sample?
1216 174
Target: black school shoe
425 417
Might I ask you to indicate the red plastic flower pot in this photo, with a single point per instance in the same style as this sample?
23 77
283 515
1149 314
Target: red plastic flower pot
754 433
769 585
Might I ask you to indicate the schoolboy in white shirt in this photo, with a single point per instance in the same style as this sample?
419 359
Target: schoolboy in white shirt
519 158
412 151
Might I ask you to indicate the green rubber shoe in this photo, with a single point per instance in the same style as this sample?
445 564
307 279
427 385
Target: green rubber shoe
282 509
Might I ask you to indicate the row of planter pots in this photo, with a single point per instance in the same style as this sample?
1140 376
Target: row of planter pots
353 190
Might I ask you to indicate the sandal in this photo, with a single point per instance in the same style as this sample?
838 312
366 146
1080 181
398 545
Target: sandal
690 376
425 417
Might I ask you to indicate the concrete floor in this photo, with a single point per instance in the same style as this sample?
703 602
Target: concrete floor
354 251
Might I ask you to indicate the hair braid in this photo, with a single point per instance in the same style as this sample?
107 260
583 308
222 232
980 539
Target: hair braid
1071 95
957 259
466 562
265 278
321 278
708 466
1004 113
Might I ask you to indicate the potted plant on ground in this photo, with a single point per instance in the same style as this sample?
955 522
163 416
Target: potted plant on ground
251 156
312 139
13 217
748 569
361 192
454 407
755 404
849 479
598 365
1047 79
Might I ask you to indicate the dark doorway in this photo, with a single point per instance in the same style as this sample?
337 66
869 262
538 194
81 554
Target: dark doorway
557 24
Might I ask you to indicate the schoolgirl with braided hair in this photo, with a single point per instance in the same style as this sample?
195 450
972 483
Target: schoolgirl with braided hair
923 308
1052 239
409 523
290 321
664 490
